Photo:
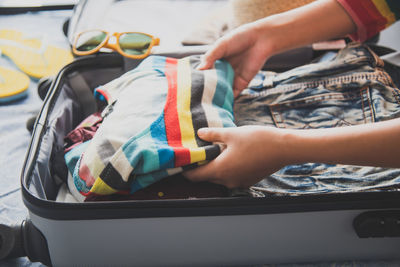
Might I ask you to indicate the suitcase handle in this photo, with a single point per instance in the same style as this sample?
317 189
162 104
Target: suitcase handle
23 240
378 224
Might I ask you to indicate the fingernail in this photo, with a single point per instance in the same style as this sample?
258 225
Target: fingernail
201 65
202 131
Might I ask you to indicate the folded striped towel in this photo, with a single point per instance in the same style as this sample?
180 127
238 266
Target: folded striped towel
150 125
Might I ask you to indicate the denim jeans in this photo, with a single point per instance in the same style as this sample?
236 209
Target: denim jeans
349 89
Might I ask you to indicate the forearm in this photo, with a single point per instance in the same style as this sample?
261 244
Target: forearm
319 21
375 144
254 152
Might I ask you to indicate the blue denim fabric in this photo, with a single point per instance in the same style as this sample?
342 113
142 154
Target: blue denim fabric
348 89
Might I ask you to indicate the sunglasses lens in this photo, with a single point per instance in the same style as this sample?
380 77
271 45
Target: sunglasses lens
134 43
89 40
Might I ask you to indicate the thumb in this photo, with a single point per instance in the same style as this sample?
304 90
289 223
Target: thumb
239 85
206 62
217 51
211 134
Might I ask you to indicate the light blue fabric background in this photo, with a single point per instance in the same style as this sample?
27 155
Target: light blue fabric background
14 137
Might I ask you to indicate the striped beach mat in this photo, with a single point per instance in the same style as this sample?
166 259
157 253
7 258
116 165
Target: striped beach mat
150 124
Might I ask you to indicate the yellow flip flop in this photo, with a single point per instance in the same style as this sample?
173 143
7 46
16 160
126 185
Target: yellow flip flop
13 85
32 55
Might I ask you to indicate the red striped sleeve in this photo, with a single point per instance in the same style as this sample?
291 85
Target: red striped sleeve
366 16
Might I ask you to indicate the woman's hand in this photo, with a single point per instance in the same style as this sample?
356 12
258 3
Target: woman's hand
255 152
248 47
251 154
244 49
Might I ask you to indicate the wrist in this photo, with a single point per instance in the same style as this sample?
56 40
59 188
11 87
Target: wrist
294 146
287 145
300 146
267 32
318 21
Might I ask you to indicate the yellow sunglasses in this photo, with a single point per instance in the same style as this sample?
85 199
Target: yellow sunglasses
134 45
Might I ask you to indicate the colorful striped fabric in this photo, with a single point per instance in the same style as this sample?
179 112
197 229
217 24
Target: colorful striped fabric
150 127
371 16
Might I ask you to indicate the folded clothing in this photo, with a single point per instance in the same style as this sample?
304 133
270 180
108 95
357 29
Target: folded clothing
83 132
172 187
350 88
149 128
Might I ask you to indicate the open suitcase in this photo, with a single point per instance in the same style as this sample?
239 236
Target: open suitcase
237 230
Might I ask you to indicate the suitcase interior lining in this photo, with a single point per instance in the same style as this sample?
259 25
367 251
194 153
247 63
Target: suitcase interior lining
64 112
